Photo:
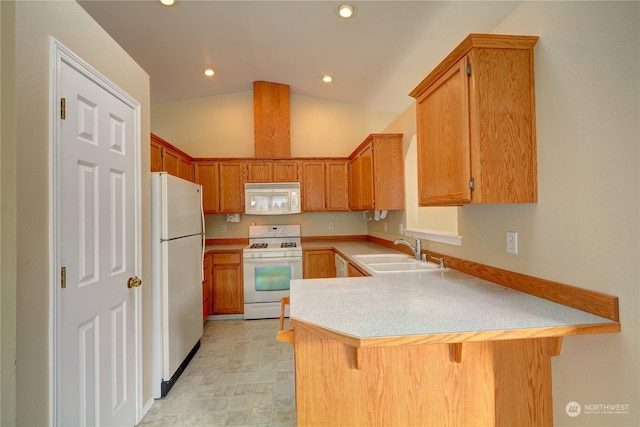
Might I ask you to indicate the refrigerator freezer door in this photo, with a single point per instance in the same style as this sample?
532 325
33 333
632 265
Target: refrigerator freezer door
182 202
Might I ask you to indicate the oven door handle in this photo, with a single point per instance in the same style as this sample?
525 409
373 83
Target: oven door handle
271 260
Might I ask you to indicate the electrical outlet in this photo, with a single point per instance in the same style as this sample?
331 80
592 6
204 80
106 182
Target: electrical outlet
400 229
331 225
385 227
224 228
512 242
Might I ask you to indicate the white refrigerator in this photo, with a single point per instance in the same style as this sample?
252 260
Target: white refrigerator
177 250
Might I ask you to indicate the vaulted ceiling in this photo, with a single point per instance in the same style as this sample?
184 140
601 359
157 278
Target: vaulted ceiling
375 58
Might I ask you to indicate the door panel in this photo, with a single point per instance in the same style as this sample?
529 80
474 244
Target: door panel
97 199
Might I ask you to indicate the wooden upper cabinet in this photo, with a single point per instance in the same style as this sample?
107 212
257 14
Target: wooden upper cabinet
231 187
259 171
476 124
361 177
337 185
285 171
185 168
272 171
377 173
206 174
222 185
325 185
167 158
313 186
156 155
271 118
170 160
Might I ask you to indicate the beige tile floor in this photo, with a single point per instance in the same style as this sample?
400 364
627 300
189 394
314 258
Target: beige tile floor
241 376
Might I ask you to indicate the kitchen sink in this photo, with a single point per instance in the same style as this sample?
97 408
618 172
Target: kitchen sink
394 263
382 258
408 266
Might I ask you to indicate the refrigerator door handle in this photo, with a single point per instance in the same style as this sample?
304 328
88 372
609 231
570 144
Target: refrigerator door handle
204 236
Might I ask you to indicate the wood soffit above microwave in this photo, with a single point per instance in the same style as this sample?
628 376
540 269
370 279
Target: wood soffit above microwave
271 120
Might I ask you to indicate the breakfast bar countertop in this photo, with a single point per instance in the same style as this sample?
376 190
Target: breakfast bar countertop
431 306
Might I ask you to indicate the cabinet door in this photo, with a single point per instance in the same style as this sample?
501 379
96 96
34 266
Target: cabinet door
354 185
444 162
206 174
228 295
231 187
388 172
337 185
185 169
259 171
366 179
285 171
318 264
156 156
502 111
170 161
313 186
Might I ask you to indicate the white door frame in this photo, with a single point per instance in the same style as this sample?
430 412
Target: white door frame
58 54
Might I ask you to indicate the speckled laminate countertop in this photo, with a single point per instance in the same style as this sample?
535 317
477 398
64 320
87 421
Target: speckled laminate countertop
450 304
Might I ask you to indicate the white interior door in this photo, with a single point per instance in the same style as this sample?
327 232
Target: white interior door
97 219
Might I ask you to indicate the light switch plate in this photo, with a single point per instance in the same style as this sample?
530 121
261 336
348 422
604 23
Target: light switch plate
512 242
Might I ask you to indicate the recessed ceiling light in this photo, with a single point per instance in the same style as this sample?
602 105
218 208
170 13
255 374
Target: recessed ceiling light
209 72
167 2
346 10
327 79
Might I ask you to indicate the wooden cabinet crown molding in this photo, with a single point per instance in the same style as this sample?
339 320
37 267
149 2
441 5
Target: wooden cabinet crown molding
493 41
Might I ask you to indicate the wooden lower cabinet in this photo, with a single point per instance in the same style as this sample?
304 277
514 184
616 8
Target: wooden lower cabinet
354 271
486 383
318 264
227 288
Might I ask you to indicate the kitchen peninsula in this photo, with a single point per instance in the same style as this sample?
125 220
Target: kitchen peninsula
432 348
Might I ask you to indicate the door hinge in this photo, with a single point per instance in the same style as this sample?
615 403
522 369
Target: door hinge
63 277
63 108
162 152
472 184
469 69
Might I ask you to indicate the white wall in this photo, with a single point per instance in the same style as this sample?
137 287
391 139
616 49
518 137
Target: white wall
222 126
8 202
35 22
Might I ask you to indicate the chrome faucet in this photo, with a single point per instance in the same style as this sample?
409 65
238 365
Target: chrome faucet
415 249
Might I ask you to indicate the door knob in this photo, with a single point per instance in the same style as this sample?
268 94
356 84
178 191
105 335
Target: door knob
134 282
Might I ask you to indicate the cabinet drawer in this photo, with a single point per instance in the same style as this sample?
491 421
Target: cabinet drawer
227 258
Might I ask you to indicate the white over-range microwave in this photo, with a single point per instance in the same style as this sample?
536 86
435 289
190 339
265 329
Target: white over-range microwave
273 198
